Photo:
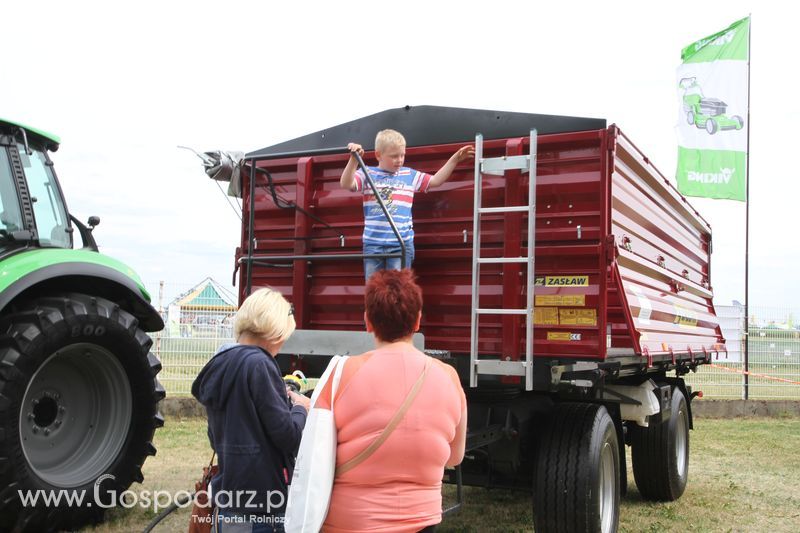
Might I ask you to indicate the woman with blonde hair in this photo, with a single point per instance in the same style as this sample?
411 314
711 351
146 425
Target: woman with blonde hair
254 424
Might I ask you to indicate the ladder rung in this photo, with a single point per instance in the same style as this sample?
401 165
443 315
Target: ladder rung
501 368
498 165
502 260
509 209
502 311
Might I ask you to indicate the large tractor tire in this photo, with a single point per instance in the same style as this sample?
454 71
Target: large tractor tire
660 454
78 409
577 481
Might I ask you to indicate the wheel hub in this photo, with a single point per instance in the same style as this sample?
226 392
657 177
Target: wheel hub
77 412
681 448
46 413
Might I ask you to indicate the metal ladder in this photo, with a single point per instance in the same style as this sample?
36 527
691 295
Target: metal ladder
497 166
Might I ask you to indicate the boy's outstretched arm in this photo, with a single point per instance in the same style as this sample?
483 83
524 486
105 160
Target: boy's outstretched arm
463 153
348 180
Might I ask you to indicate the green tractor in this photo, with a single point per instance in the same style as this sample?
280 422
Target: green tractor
706 113
78 388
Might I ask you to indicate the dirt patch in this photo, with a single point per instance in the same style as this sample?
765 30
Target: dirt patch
181 407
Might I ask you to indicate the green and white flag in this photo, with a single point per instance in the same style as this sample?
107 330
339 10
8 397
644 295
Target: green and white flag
712 126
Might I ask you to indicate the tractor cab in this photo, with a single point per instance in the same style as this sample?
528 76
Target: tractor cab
33 210
32 207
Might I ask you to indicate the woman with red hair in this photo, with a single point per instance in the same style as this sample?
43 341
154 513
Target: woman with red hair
401 417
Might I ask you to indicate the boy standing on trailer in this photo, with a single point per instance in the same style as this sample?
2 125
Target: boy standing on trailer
396 184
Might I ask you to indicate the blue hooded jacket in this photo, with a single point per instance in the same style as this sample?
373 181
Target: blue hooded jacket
252 426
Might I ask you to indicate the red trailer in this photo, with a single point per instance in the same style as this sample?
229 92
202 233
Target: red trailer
567 349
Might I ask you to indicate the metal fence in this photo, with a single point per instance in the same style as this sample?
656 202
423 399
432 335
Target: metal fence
198 319
196 327
772 369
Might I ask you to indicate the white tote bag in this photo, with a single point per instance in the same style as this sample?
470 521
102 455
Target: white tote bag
312 481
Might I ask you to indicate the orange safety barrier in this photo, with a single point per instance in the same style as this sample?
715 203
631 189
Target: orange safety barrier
754 374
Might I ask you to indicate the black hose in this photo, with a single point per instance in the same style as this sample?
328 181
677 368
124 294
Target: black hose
166 512
270 188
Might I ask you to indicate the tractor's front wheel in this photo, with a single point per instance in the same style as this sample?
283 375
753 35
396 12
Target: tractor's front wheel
78 409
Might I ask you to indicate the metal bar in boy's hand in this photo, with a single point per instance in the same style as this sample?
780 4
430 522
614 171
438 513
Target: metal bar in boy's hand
388 216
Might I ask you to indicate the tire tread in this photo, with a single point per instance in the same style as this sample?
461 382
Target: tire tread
650 454
44 320
562 502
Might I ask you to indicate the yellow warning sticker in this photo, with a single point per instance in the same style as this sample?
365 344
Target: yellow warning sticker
684 317
578 317
563 336
562 281
565 300
545 316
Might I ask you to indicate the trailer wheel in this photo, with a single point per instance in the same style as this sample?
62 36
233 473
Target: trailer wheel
577 481
78 408
660 454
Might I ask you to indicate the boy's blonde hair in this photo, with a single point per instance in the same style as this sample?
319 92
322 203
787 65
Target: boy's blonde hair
265 314
388 139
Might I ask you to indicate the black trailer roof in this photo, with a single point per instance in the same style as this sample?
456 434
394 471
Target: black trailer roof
425 125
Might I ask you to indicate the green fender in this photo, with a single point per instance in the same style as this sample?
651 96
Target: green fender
37 272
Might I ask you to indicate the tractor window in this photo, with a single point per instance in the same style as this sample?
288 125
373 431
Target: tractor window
10 214
48 208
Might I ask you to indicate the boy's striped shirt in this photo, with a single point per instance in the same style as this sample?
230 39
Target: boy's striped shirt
397 191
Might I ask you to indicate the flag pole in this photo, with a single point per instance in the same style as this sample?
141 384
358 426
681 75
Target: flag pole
747 226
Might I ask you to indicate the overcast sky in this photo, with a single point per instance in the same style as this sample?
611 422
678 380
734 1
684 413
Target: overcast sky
124 84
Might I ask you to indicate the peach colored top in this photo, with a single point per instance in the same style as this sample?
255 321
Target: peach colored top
399 487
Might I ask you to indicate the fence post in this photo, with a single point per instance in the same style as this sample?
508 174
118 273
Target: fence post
746 375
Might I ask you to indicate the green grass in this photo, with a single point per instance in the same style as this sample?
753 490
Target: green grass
182 452
744 476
